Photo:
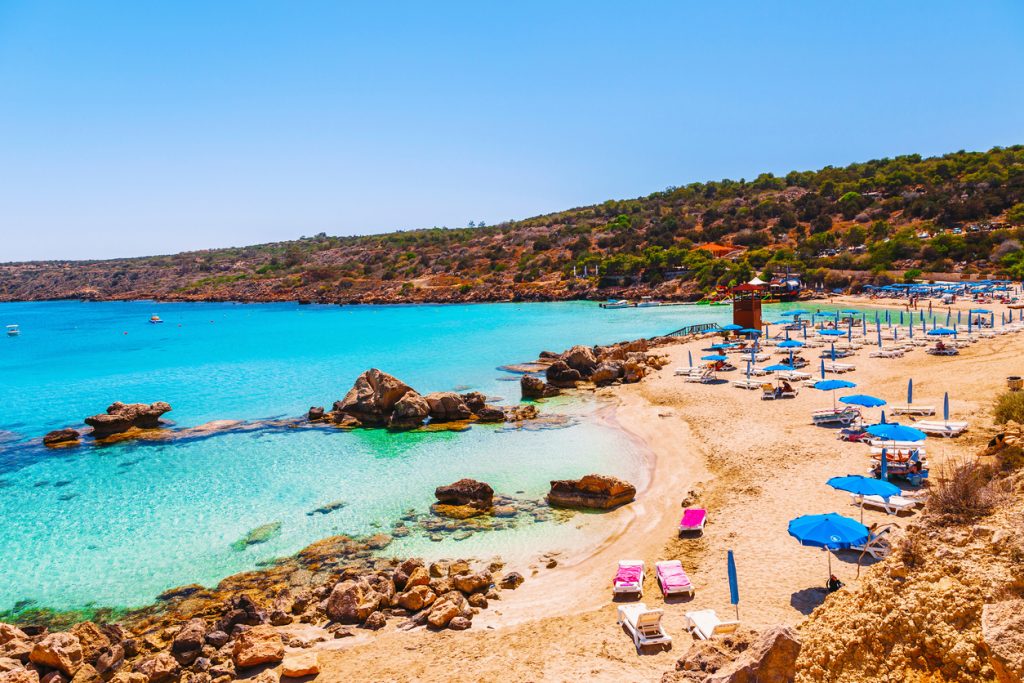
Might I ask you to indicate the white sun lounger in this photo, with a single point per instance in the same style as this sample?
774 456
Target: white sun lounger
877 546
705 623
793 375
839 368
685 370
898 445
702 375
747 383
644 625
886 353
941 428
621 586
893 506
843 416
912 409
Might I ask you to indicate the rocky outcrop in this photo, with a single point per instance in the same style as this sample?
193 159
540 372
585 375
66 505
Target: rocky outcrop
606 373
410 411
581 359
594 491
769 659
120 417
534 387
61 437
511 581
378 399
1002 632
257 645
469 492
14 643
447 406
559 374
372 398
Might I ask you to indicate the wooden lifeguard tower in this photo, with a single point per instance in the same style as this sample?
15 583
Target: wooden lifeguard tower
746 305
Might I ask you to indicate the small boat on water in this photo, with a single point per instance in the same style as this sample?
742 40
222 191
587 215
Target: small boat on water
155 319
616 303
647 302
13 331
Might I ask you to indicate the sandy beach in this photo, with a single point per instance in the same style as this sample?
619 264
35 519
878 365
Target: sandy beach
753 464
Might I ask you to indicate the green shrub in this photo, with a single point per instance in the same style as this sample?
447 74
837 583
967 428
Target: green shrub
1009 406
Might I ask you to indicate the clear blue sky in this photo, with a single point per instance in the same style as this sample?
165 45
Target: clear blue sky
131 128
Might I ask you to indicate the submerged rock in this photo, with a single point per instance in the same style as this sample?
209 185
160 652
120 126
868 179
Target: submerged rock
447 406
260 534
120 417
327 509
594 491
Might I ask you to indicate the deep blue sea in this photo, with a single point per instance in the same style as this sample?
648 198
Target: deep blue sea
115 525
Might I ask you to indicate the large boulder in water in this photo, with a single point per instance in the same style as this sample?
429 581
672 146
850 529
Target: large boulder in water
535 387
372 398
447 406
559 374
466 492
120 417
595 491
580 358
410 411
61 437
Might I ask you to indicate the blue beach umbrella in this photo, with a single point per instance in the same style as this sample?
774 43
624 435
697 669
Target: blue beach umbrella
941 332
790 344
831 333
893 431
864 486
832 385
901 317
862 400
731 327
715 357
829 531
779 367
833 353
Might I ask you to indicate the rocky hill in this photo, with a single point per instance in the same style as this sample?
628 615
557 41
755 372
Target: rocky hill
958 213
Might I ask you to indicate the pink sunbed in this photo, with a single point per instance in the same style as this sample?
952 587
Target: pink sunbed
693 519
672 578
629 578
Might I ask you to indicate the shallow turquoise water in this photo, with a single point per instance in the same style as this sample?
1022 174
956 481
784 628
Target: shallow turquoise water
118 524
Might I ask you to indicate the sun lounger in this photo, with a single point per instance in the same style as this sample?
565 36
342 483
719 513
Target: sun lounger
912 409
788 391
793 375
701 375
843 416
629 578
897 453
894 505
685 370
886 353
877 545
644 625
746 383
694 519
941 428
705 623
948 351
839 368
672 578
897 445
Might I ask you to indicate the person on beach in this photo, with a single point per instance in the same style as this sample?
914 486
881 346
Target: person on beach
833 584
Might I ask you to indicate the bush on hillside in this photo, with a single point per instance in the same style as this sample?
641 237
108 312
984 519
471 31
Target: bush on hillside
1009 407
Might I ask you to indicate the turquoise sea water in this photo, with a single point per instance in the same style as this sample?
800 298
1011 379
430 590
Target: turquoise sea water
116 525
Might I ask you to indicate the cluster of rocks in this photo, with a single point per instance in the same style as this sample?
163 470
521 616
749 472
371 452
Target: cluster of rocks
119 419
200 635
625 362
378 399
